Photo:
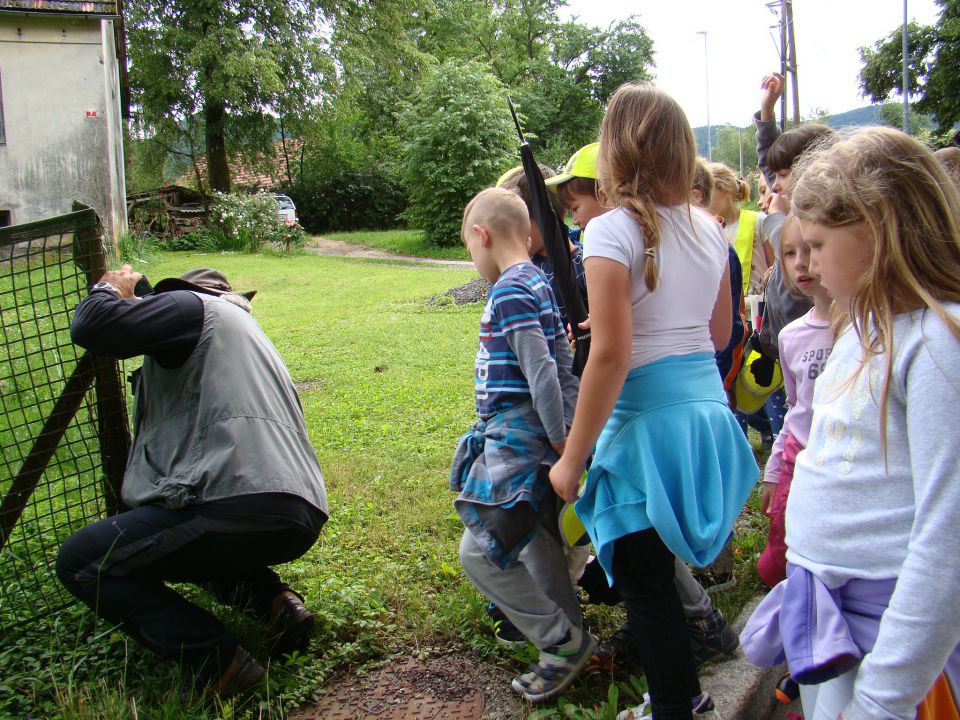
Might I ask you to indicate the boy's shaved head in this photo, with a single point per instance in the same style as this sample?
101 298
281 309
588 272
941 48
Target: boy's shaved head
500 210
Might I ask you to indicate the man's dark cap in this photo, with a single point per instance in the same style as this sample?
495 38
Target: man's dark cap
202 280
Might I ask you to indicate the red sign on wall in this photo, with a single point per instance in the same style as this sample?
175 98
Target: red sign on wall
91 114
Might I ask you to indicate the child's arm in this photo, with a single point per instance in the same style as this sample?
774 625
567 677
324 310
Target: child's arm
919 628
611 317
774 467
771 87
539 368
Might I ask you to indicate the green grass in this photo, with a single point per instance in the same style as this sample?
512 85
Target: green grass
386 383
402 242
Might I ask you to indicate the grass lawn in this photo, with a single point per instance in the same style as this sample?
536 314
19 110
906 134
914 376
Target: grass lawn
386 383
403 242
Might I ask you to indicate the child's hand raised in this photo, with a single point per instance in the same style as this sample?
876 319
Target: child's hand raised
771 88
565 479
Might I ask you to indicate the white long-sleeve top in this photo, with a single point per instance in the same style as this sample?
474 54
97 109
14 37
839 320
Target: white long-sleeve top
850 515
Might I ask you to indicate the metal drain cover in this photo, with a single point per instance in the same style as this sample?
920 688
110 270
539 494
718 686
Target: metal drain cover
436 688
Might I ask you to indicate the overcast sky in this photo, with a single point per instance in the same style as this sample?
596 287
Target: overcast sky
741 49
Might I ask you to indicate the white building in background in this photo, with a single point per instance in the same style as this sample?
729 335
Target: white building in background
61 134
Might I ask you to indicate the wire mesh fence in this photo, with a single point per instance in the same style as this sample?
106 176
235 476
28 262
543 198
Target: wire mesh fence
64 434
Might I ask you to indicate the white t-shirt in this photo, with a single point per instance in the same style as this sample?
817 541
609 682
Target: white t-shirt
674 319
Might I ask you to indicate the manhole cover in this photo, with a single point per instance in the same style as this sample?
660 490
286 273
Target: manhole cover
410 690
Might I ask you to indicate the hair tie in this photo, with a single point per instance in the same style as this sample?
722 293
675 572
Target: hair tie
650 252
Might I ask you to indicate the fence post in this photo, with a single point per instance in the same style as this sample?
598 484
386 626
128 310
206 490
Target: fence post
112 423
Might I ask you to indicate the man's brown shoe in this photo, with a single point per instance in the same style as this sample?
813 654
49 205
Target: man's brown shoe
241 674
290 624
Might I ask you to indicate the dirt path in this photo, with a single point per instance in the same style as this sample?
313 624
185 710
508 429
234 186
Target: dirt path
325 246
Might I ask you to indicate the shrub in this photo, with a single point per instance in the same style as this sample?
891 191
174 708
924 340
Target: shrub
137 247
459 139
351 199
246 222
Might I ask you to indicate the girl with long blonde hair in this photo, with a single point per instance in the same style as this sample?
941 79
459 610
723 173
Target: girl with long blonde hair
672 469
872 545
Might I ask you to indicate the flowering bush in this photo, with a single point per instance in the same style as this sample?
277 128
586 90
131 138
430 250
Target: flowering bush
248 222
290 236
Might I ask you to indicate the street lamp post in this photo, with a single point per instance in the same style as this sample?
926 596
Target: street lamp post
706 77
906 74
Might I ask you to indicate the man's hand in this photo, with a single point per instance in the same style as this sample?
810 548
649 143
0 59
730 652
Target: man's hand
771 88
124 280
566 479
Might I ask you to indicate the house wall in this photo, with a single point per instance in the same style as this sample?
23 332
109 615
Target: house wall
58 78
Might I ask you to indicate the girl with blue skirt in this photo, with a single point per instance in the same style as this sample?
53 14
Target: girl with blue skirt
671 469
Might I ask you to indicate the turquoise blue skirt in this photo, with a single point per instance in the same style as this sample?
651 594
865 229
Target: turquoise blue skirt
671 457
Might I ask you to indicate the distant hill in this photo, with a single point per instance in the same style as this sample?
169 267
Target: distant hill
868 115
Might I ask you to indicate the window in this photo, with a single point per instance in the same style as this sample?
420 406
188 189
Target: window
4 218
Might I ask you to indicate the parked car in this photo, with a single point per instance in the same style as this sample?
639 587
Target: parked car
286 208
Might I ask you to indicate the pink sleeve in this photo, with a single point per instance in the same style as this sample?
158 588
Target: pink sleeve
771 472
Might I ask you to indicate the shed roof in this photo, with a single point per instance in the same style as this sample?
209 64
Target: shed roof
67 7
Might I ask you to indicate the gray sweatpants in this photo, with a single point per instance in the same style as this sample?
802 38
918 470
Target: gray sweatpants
696 602
534 591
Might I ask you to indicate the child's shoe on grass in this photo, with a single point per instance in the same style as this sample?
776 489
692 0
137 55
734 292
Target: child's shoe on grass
557 668
617 651
505 631
701 705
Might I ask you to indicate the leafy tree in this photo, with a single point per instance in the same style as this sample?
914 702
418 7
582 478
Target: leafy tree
559 73
228 67
932 62
458 140
727 149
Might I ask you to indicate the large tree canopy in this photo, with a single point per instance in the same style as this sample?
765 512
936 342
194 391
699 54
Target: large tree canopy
560 73
933 64
230 68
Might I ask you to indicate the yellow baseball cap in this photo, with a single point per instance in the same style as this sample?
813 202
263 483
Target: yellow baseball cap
508 174
582 164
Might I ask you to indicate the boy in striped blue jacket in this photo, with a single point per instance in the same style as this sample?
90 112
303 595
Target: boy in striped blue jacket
525 393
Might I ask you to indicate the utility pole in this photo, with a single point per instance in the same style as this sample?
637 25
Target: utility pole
792 59
740 134
906 74
787 49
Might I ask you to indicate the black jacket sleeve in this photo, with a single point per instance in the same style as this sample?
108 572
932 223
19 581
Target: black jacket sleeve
165 326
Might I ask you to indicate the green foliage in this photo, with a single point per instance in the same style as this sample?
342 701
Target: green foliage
349 200
459 139
226 70
932 61
727 148
246 222
137 248
559 73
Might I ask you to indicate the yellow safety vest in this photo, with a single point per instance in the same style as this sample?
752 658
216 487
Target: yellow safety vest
743 244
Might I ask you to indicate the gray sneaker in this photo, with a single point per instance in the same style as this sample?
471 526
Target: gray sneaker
557 668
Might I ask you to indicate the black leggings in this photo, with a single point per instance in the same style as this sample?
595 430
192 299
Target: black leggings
119 567
643 571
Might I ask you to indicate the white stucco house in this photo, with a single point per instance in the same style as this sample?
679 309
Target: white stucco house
61 134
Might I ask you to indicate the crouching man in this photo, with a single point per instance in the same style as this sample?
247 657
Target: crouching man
221 480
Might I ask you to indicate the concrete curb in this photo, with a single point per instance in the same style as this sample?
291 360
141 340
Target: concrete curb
740 689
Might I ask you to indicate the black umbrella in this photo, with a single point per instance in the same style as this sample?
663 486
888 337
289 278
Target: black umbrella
556 243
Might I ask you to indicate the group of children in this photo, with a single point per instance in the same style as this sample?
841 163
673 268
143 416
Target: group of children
861 286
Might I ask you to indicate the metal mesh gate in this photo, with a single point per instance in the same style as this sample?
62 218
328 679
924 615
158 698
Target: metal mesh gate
63 422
